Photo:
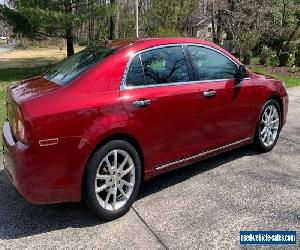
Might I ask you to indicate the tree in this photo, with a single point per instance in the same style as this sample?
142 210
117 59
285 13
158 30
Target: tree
252 22
18 22
54 18
167 17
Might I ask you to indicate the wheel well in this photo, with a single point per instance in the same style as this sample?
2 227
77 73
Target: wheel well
126 138
277 98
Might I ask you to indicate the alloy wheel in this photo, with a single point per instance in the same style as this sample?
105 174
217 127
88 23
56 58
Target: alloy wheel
269 126
115 180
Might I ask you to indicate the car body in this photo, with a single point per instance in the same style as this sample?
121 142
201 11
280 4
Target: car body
170 125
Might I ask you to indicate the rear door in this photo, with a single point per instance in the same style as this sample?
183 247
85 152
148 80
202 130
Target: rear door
228 108
160 96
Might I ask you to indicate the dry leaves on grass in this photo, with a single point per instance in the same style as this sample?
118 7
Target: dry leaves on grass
32 57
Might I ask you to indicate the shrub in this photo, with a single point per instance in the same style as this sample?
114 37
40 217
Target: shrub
265 53
295 69
284 58
297 58
83 43
273 59
291 47
247 58
268 57
167 32
26 43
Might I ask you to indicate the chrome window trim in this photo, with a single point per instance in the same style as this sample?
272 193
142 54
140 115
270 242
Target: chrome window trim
203 153
123 85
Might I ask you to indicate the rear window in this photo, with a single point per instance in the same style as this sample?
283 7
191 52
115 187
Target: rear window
72 67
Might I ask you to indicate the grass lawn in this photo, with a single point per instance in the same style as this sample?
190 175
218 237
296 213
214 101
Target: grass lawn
20 58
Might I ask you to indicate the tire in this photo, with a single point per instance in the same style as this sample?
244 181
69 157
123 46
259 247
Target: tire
264 127
110 180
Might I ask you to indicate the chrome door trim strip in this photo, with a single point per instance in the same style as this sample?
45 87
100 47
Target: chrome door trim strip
176 83
123 81
202 154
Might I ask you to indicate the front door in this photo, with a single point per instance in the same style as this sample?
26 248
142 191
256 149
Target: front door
228 107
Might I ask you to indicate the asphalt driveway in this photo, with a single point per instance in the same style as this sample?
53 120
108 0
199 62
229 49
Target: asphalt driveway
202 206
6 47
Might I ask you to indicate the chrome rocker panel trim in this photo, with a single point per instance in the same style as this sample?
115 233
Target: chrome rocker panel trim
203 153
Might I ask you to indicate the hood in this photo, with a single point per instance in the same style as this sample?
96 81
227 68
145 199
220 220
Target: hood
32 88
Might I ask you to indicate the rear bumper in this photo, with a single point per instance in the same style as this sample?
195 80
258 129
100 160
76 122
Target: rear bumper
44 175
14 159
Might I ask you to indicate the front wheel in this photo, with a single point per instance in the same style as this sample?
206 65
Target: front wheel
112 179
268 127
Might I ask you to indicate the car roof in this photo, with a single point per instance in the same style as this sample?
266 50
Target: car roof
130 46
123 43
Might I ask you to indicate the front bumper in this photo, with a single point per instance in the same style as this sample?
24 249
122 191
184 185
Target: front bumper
44 175
285 101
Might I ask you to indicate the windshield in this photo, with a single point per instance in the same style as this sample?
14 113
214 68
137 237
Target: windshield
74 66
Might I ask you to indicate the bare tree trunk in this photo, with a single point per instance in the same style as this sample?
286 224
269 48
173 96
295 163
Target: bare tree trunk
213 28
137 18
117 21
111 24
219 27
70 45
89 23
69 33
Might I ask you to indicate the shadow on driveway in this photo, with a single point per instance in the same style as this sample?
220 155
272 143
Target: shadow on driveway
19 218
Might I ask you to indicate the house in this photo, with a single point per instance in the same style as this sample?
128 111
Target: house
5 30
202 27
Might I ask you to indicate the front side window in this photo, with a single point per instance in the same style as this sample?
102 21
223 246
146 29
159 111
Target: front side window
211 65
74 66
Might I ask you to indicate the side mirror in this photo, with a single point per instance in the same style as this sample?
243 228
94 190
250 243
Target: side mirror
242 72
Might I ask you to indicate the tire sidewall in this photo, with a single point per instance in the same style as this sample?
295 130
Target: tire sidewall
258 129
90 175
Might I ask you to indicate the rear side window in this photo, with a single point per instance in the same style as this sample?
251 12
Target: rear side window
211 65
135 75
165 65
158 66
74 66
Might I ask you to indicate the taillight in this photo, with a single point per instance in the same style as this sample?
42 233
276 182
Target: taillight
19 128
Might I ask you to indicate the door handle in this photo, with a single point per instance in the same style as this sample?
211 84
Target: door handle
209 93
143 103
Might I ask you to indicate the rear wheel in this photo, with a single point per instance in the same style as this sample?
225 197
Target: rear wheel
112 179
268 127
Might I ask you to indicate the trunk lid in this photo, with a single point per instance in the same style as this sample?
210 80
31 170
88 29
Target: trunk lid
31 88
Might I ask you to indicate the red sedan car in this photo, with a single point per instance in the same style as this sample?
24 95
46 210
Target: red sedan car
97 124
